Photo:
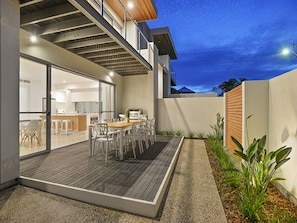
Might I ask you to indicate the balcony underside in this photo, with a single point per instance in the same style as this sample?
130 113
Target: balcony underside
77 27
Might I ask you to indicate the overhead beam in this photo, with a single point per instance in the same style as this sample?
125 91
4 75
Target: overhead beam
88 42
97 49
134 65
77 34
114 58
29 3
65 26
108 53
117 61
48 14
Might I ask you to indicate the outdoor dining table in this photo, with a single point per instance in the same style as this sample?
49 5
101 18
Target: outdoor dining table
121 125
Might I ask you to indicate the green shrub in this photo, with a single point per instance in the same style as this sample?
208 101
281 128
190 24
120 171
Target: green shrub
169 132
230 177
218 128
160 133
200 135
191 135
179 132
257 170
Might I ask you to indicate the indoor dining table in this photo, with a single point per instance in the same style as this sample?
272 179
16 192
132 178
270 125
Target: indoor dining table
121 126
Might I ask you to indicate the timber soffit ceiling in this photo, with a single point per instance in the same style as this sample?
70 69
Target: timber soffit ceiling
75 26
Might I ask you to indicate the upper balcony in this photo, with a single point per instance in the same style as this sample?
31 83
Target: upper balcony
104 32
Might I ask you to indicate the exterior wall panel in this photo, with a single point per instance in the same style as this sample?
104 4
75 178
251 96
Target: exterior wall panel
190 115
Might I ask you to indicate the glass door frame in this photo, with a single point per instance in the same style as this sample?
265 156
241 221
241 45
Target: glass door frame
47 112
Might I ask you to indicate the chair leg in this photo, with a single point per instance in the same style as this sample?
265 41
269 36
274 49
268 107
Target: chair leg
133 147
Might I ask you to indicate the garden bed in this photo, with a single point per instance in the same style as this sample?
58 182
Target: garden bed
277 207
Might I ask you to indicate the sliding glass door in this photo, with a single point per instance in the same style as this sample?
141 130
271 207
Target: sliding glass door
106 101
57 106
32 119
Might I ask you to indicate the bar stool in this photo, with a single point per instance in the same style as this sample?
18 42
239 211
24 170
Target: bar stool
55 125
67 125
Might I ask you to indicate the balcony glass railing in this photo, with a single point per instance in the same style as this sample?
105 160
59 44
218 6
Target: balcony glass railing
129 29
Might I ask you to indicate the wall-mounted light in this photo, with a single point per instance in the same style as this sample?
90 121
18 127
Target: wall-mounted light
111 73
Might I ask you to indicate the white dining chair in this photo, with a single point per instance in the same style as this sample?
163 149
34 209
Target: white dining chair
32 132
103 137
134 137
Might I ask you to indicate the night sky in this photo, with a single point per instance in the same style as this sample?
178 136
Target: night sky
217 40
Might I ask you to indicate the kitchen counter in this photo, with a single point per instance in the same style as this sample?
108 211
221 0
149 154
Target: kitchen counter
79 121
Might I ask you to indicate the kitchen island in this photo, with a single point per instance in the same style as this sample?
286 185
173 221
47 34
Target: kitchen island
79 121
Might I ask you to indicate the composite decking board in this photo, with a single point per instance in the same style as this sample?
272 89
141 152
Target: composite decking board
148 181
158 178
138 178
159 169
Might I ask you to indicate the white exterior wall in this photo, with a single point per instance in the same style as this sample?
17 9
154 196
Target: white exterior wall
189 114
131 35
283 125
135 93
255 102
9 91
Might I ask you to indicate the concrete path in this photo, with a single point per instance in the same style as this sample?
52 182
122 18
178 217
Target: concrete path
192 198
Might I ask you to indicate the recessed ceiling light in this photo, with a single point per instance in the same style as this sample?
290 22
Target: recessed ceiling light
130 5
33 38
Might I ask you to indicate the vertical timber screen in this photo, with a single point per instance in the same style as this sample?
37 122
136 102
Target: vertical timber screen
233 119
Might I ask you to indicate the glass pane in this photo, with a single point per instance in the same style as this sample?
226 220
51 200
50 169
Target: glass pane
32 85
107 101
75 101
32 130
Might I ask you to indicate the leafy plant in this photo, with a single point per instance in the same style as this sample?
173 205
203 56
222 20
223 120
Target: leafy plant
160 133
218 128
200 135
191 135
170 132
280 216
231 178
257 169
179 132
127 113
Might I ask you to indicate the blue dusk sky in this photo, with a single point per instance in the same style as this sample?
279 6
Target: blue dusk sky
217 40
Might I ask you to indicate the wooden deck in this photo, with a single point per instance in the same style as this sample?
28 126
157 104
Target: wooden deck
142 180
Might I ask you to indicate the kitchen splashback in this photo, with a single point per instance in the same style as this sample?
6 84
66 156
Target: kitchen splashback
87 107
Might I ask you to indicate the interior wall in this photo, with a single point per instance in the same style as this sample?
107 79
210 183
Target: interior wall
283 124
191 115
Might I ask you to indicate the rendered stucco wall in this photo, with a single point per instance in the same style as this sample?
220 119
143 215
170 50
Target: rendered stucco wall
135 93
191 115
256 103
283 124
9 91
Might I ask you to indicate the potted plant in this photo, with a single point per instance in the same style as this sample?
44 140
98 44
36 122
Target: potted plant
127 114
